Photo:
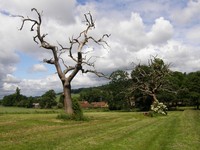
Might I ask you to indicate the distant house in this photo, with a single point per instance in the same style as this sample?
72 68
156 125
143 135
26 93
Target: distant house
84 104
99 104
36 105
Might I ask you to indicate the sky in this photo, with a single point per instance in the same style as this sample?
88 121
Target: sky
168 29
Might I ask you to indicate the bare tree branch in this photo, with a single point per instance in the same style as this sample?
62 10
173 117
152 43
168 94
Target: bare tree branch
50 61
152 78
99 74
67 75
70 68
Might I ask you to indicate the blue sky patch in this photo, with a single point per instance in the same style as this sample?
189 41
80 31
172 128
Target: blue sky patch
25 65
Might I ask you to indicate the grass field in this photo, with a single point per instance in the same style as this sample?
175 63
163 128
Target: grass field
20 130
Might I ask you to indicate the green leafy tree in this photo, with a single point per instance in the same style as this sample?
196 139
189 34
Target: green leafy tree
167 97
175 87
194 96
48 100
8 100
120 98
192 83
14 99
94 94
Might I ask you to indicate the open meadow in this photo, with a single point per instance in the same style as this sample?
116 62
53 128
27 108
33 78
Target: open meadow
35 129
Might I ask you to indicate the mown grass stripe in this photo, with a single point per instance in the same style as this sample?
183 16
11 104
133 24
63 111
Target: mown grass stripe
105 130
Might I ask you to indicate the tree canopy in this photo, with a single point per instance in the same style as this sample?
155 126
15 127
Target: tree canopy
47 100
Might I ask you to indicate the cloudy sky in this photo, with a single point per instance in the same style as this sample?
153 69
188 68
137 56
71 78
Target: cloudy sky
169 29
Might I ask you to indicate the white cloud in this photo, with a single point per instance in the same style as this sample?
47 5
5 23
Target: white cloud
38 68
174 52
60 10
32 87
193 34
161 31
187 14
10 87
11 79
137 30
87 80
132 32
129 39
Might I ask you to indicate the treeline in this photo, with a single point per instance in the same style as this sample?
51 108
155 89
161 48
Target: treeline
139 88
182 90
47 100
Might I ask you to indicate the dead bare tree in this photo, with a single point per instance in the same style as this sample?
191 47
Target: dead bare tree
151 78
68 74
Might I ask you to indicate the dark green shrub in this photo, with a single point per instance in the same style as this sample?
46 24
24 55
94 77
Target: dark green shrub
60 105
78 113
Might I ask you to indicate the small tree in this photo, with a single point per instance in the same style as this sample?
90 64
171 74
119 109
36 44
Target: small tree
78 57
14 99
118 89
48 99
149 79
193 82
18 97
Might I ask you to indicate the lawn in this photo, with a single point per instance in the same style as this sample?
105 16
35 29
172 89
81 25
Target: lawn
104 131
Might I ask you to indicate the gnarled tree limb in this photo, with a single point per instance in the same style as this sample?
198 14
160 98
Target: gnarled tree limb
69 71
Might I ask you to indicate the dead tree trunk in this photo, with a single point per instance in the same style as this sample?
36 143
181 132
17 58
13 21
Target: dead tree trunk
68 74
67 99
149 79
154 98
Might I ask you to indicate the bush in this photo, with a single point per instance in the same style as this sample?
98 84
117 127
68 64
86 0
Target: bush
159 108
78 113
60 105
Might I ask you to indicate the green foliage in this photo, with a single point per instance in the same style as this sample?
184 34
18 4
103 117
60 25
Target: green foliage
48 100
94 95
143 102
60 105
117 88
136 75
150 79
195 97
78 112
177 80
16 99
183 90
8 100
166 96
178 89
193 82
119 76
